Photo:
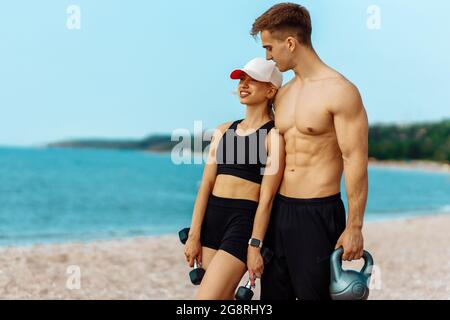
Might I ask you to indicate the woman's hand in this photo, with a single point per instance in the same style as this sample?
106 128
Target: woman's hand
192 250
255 264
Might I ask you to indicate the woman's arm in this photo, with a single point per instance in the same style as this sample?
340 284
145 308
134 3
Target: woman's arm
192 247
273 174
207 183
269 187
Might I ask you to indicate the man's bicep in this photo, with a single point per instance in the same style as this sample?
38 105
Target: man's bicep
351 125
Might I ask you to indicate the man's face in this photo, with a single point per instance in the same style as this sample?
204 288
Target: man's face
276 50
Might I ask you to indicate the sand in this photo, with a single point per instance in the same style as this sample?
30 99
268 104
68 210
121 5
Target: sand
412 262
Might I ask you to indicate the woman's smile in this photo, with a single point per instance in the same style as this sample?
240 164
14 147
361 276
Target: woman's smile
244 93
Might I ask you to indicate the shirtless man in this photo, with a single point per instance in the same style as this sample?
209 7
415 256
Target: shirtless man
325 128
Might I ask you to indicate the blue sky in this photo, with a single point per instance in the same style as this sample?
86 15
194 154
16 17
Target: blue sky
141 67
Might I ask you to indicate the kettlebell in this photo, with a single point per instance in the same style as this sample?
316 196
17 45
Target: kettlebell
349 284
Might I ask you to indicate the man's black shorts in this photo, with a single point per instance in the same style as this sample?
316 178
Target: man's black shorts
302 234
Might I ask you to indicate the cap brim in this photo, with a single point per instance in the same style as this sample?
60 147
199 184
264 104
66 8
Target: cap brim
236 74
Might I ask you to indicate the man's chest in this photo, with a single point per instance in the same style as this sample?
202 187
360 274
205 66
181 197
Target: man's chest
306 109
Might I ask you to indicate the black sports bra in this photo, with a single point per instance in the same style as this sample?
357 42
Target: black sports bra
243 156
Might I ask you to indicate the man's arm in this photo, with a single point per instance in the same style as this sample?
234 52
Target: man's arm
351 125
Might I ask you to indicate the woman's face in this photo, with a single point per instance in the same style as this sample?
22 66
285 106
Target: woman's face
253 92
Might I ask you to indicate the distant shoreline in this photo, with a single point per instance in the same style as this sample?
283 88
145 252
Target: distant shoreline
420 165
413 164
422 140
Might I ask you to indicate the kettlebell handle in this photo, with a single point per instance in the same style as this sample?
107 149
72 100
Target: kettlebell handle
336 258
368 264
336 263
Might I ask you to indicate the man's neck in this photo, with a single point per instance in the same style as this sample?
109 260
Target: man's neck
309 65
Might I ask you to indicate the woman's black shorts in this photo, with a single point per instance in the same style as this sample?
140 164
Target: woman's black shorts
228 225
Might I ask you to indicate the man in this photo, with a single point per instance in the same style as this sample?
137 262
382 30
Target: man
325 128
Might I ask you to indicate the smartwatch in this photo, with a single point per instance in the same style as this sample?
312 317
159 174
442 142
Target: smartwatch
255 243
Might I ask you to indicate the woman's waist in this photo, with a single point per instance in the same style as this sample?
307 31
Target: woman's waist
231 203
232 187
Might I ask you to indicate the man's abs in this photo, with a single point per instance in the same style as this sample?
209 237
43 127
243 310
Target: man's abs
313 167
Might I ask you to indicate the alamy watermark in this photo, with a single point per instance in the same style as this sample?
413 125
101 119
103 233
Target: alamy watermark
224 148
73 21
374 18
74 279
375 282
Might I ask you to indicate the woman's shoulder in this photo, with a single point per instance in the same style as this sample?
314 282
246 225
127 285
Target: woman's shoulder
224 126
220 130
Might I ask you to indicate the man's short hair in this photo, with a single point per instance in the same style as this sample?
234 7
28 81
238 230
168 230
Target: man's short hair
284 20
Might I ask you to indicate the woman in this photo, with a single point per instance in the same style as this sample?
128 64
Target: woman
235 197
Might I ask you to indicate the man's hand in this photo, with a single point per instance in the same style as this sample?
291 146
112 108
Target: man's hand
353 243
255 264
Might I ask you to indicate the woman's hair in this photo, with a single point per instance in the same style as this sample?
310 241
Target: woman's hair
270 104
271 109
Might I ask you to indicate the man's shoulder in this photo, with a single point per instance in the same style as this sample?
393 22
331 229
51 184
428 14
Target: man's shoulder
285 87
282 91
334 80
344 94
342 84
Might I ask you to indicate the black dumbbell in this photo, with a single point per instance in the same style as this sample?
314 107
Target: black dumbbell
245 292
184 234
196 274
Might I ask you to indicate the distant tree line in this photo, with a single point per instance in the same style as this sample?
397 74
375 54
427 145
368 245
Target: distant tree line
427 141
424 141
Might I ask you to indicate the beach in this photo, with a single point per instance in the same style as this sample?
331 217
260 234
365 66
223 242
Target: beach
412 258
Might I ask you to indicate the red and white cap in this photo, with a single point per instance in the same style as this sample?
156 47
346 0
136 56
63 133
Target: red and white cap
262 70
